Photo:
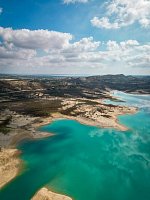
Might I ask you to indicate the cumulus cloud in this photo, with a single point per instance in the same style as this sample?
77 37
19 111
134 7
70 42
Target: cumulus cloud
113 45
75 1
15 53
37 39
85 44
130 52
43 51
104 23
121 13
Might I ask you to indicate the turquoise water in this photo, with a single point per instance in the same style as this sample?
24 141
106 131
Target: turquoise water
89 163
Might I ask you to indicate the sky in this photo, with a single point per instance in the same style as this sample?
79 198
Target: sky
92 37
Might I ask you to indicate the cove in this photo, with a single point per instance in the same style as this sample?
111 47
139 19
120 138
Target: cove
89 163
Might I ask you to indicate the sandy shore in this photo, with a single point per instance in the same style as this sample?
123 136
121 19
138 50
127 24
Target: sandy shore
21 127
45 194
89 112
98 120
10 164
26 127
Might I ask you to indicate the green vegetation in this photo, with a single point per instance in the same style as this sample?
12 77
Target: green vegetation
4 130
36 108
3 125
71 111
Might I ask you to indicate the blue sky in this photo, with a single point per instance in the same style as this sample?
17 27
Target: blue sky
119 33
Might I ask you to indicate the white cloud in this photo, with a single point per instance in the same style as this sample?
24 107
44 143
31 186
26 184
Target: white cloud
113 45
48 41
16 53
75 1
43 51
104 23
121 13
130 52
37 39
85 44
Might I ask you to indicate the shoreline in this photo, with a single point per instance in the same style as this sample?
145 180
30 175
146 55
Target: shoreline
10 165
45 194
33 133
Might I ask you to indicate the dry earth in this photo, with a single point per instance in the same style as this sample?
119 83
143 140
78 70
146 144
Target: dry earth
45 194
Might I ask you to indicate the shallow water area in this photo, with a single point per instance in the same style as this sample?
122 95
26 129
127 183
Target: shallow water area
89 163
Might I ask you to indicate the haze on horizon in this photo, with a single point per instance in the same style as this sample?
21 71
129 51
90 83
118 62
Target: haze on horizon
75 37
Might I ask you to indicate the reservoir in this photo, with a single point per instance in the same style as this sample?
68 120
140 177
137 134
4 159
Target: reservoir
89 163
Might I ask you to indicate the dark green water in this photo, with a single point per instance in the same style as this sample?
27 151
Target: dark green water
88 163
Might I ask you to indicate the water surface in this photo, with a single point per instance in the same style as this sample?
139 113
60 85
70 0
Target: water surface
89 163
